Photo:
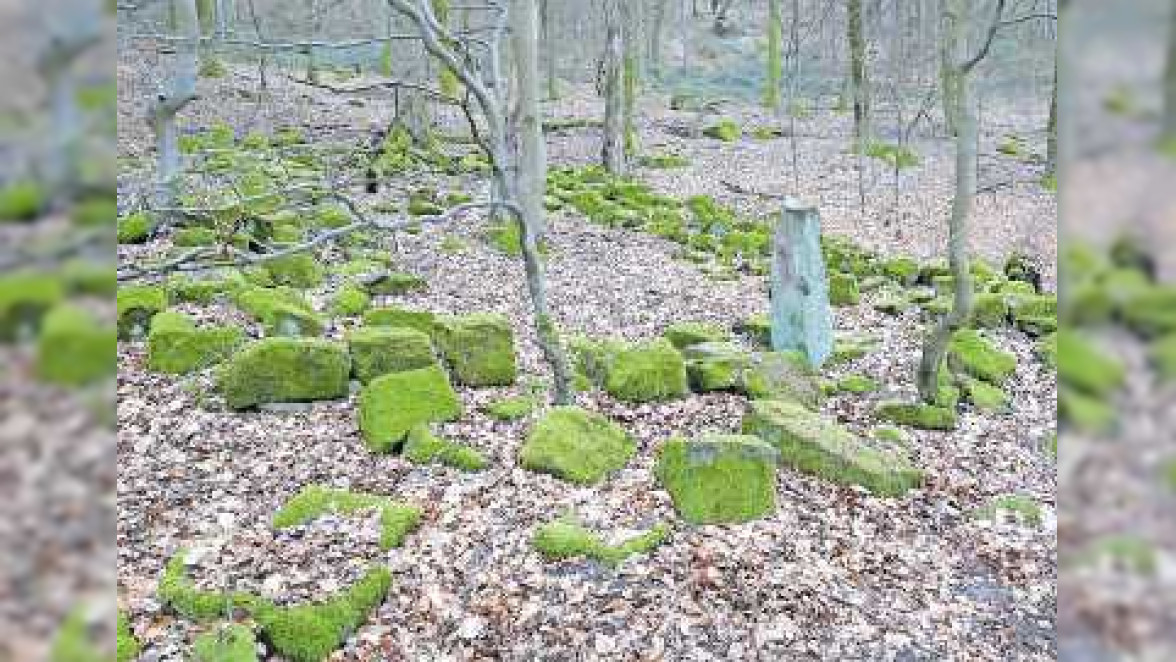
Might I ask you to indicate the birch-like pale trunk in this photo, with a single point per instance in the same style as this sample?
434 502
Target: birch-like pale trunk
1170 79
530 184
775 56
656 29
935 346
551 61
177 92
955 32
631 74
613 154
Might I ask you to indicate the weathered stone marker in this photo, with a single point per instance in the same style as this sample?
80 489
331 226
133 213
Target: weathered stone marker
801 318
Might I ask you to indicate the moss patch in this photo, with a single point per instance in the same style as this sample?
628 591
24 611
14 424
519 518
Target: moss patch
1085 368
137 304
563 539
971 353
25 297
285 370
917 415
392 405
857 384
576 445
127 646
985 396
175 345
397 519
424 447
281 310
719 478
725 130
22 201
685 334
350 300
135 228
230 643
74 348
378 351
399 317
395 284
298 270
646 372
843 289
510 408
478 348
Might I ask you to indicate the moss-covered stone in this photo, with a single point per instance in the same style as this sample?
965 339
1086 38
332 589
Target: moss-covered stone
137 304
22 201
397 519
1152 313
377 351
781 376
420 320
903 270
424 447
565 538
843 289
1085 412
233 642
1084 367
74 348
892 302
84 276
186 289
350 300
175 345
855 383
285 370
76 641
281 310
985 396
392 405
1163 357
510 408
195 236
1047 349
1036 315
971 353
298 270
719 479
478 348
395 284
25 297
757 329
815 444
685 334
725 129
917 415
135 228
647 371
990 310
576 445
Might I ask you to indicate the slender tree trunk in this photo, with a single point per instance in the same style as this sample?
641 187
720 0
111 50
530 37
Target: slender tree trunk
655 37
859 93
1170 80
549 48
935 346
178 92
613 150
684 32
775 71
1051 129
532 175
631 38
955 33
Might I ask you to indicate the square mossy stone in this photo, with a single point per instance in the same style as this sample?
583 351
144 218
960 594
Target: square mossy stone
1047 349
25 297
478 348
22 201
74 348
685 334
391 405
229 643
378 351
719 478
757 329
1035 314
816 444
137 304
971 353
1086 368
716 366
421 320
576 445
781 376
1152 312
175 345
394 284
285 370
990 310
510 408
424 447
299 270
917 415
283 311
843 289
858 384
186 289
646 372
892 302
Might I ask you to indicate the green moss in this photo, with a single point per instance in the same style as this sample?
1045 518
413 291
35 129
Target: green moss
726 130
510 408
1085 368
396 284
282 311
781 376
297 270
177 592
399 317
843 289
985 396
183 289
990 310
719 478
645 372
1163 357
1152 313
1084 412
137 304
378 351
578 446
917 415
229 643
664 161
84 276
1047 349
350 300
857 384
392 405
563 539
478 348
452 244
74 348
1127 551
22 201
815 444
135 228
971 353
397 519
285 370
1022 506
195 236
904 270
25 297
127 646
890 435
211 67
74 641
424 447
176 346
685 334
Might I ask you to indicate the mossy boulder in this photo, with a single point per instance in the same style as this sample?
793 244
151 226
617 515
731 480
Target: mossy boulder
394 283
137 304
1036 314
126 645
175 345
95 210
757 329
1083 366
971 353
22 201
815 444
990 310
1084 412
421 320
298 270
478 348
285 370
25 297
350 301
392 405
510 408
135 228
855 383
646 372
685 334
726 130
194 236
1152 313
74 348
903 270
1163 357
424 447
283 311
917 415
843 289
576 445
719 479
377 351
985 396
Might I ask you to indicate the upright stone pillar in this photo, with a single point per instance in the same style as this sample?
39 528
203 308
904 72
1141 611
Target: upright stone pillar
801 318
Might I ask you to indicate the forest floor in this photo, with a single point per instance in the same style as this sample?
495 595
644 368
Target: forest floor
833 573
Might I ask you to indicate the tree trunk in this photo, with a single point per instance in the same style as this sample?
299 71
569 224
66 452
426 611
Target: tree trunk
613 150
631 39
549 48
955 33
857 73
935 347
179 91
530 183
1170 80
775 64
1051 129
